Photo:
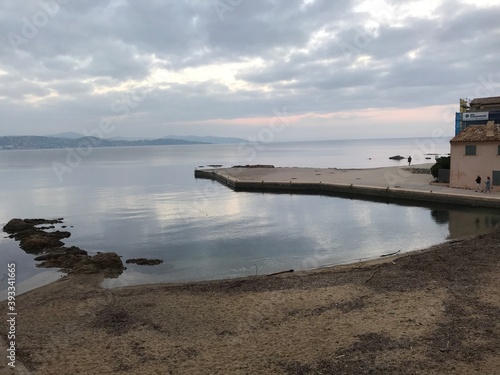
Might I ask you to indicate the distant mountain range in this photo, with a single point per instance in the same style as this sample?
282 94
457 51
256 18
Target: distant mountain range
72 140
70 135
207 139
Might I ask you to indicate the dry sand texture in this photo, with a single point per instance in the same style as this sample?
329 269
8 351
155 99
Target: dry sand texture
430 312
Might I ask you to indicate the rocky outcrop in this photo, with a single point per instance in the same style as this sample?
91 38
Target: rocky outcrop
144 261
107 262
37 240
18 225
397 157
57 252
33 239
65 259
76 261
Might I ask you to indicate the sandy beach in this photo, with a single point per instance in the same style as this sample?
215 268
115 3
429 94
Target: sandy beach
256 187
434 311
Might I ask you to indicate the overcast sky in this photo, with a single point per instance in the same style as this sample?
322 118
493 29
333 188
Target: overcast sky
271 69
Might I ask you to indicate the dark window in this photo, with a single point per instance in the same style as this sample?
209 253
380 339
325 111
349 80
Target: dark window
498 153
496 178
470 150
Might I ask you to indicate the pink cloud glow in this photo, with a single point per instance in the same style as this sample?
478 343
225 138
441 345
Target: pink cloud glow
443 113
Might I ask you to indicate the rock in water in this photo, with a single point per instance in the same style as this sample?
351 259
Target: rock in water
145 262
37 242
73 260
396 157
108 262
16 225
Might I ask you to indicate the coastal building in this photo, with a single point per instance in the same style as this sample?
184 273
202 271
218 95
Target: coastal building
477 111
475 151
485 104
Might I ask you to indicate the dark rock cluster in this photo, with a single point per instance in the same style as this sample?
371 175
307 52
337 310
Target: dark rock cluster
397 157
144 261
51 252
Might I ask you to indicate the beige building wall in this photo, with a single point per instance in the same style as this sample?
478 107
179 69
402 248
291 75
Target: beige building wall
465 168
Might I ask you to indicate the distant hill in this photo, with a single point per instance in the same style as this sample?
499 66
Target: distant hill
207 139
69 135
189 138
38 142
130 139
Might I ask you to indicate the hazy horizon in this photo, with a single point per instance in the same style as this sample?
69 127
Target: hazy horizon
267 70
276 141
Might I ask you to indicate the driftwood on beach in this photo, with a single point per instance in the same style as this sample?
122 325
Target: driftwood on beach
388 255
279 273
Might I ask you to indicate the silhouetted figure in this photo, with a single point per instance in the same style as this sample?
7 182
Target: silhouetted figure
409 160
478 183
487 185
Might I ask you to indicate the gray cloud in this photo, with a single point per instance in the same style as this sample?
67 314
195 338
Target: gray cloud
82 61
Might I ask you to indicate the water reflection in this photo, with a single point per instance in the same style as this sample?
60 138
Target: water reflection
441 216
466 221
153 207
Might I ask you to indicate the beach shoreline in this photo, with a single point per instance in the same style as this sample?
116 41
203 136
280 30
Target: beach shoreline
432 311
429 311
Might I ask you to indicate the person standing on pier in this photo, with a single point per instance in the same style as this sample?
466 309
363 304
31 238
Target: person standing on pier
487 185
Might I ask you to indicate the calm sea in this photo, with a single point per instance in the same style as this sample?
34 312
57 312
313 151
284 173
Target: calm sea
145 202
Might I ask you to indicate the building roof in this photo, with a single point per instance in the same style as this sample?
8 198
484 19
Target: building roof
489 100
479 133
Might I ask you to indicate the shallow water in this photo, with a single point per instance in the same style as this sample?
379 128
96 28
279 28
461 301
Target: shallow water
145 202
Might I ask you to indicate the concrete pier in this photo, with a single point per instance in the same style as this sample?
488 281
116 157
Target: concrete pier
413 183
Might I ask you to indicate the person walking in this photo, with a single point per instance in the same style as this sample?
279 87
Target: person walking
487 185
409 160
478 183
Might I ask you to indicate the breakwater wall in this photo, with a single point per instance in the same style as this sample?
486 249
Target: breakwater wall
349 190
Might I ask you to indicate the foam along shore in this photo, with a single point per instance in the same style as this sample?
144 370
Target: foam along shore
397 183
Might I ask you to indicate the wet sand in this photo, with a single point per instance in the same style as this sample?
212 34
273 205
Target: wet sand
434 311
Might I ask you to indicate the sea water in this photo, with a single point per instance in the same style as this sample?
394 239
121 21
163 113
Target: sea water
145 202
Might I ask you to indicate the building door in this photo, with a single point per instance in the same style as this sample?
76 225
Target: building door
496 178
